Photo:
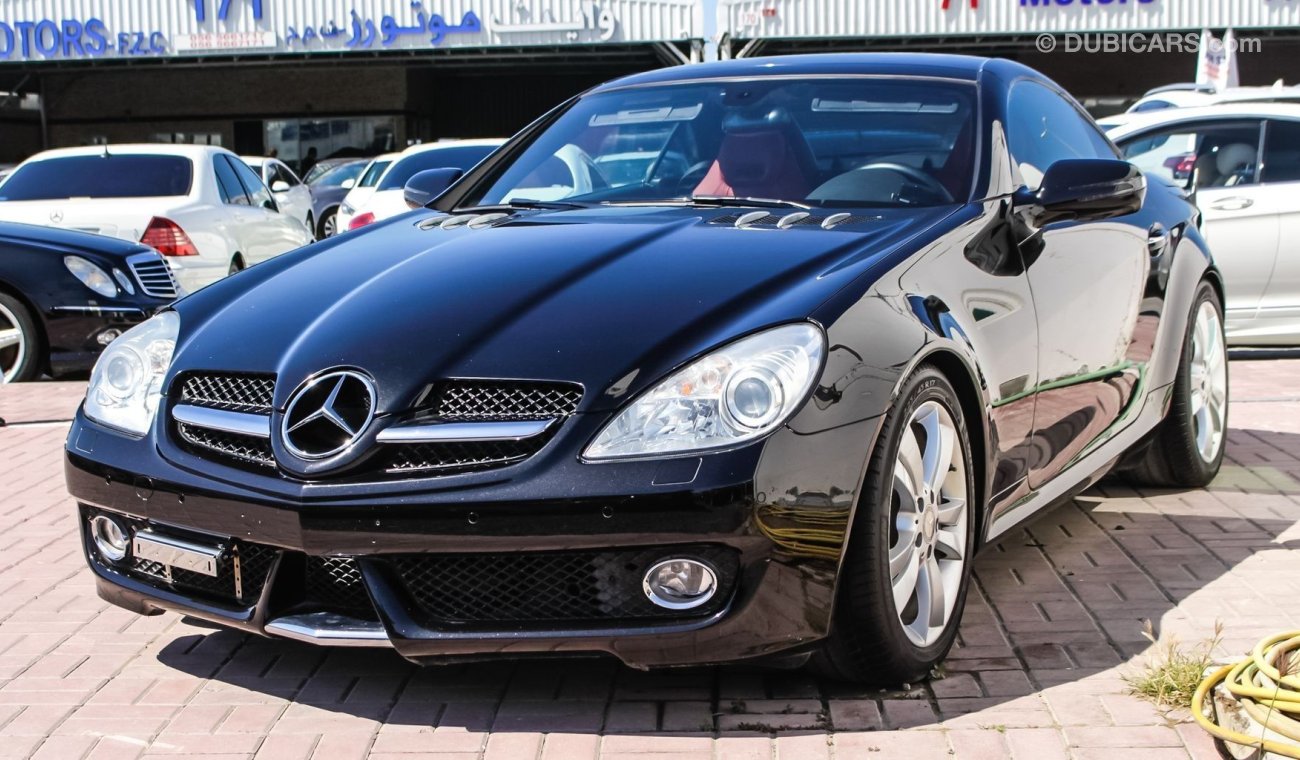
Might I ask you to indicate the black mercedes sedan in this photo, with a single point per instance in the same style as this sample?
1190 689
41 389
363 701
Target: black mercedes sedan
849 319
66 295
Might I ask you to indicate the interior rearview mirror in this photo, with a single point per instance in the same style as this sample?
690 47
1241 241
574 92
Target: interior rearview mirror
424 186
1084 189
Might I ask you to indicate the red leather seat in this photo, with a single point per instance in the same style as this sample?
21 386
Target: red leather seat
760 161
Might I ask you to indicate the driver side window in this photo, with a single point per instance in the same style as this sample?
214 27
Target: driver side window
1045 128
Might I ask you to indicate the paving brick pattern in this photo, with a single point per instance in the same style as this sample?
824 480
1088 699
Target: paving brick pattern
1053 623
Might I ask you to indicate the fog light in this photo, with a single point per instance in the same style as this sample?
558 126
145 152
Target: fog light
109 536
108 336
680 584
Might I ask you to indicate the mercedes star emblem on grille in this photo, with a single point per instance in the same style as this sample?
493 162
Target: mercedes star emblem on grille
328 414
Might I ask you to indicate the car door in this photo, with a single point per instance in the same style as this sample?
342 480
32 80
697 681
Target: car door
234 218
1087 280
266 232
1240 216
1279 309
294 200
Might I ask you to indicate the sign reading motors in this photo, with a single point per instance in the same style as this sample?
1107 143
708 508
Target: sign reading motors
75 38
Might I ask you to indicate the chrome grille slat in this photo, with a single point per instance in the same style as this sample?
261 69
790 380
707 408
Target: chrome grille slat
153 274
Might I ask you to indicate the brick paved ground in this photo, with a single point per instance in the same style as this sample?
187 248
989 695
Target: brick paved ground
1053 623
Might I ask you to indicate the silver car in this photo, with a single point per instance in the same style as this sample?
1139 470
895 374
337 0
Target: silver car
1243 162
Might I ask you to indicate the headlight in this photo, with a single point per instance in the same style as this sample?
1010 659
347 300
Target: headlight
735 394
346 208
127 380
91 276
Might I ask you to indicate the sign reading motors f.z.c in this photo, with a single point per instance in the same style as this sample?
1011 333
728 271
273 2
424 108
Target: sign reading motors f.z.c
28 39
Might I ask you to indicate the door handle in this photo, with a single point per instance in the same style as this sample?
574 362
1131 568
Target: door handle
1232 204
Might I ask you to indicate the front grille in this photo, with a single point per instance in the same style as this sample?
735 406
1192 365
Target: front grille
490 400
334 583
250 394
461 456
247 449
549 587
153 274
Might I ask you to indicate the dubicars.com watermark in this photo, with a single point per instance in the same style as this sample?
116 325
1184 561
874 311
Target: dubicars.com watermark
1143 42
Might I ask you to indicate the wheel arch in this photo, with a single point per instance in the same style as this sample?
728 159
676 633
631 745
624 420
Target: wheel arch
964 380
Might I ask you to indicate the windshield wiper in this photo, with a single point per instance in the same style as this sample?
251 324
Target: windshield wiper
523 203
726 200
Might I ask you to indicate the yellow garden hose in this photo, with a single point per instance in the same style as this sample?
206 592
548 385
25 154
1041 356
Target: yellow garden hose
1266 686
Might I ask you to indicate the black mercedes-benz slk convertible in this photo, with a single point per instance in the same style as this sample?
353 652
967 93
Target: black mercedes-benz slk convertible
723 362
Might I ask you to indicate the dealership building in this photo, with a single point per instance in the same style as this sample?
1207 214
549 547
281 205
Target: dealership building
362 76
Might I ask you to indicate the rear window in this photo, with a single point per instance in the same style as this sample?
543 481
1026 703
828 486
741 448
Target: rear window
100 176
443 158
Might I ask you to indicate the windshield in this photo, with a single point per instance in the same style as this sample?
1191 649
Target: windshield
818 142
338 175
462 158
99 176
373 172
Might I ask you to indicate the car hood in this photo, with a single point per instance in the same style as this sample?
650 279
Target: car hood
610 297
38 238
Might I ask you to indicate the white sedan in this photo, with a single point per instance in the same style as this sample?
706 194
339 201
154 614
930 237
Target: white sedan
1245 159
200 206
362 190
388 200
291 194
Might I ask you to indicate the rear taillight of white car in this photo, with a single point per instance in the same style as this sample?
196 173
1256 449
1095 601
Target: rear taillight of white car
361 220
167 237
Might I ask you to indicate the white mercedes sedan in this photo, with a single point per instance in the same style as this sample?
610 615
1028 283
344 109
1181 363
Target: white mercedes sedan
1242 161
200 206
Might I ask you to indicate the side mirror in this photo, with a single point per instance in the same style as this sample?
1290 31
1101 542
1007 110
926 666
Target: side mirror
1084 189
348 184
424 186
279 186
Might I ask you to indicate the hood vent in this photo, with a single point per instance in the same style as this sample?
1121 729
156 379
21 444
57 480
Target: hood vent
472 221
764 220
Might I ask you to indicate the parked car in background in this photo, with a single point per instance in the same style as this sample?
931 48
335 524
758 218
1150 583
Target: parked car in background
329 188
363 189
291 194
1246 161
200 206
1187 95
770 401
388 200
6 170
324 165
66 295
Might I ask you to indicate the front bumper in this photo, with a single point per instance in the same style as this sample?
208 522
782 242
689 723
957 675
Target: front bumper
753 513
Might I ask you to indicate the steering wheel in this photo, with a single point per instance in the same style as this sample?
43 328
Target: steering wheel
916 175
694 176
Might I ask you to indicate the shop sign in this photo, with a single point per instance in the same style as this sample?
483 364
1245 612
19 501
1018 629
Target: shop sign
73 37
218 41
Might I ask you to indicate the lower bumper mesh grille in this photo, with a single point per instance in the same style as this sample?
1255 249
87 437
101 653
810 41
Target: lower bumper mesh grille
550 587
335 584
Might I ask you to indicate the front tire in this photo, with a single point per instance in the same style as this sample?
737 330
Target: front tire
905 576
19 342
1188 446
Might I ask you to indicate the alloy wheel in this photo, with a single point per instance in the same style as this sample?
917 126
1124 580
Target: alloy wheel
329 227
13 345
930 524
1209 382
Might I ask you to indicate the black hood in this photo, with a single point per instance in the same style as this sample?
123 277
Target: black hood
589 296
